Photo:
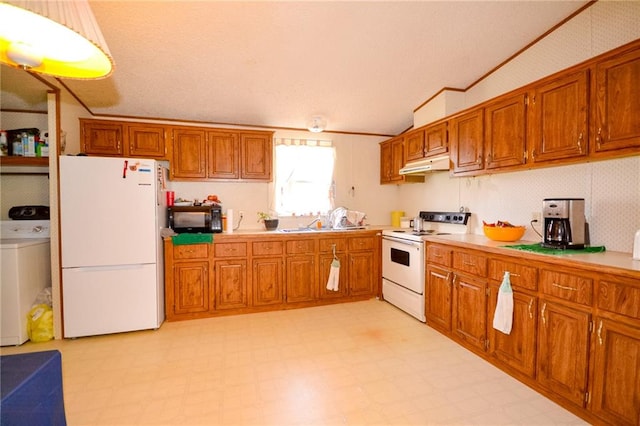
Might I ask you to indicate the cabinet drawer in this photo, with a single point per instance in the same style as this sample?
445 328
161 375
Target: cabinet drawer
439 254
619 297
571 287
301 246
230 249
470 262
268 248
362 243
520 275
191 251
327 245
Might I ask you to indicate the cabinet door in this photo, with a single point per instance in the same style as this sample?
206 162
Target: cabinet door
397 159
414 145
189 154
435 140
563 346
385 162
267 280
102 138
256 152
505 130
438 292
146 141
301 278
190 288
467 141
223 150
469 310
617 117
616 375
518 348
324 268
559 111
362 273
231 284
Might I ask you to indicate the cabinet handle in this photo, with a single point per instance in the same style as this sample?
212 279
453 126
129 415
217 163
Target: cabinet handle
580 142
544 308
563 287
448 275
513 274
533 154
600 333
599 135
530 308
479 159
468 263
488 158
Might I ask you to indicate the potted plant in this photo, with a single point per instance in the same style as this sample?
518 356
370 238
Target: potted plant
270 223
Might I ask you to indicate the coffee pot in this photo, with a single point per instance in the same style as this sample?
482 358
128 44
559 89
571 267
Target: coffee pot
564 223
418 224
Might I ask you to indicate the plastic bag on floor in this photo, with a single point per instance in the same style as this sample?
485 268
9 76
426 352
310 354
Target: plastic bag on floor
40 323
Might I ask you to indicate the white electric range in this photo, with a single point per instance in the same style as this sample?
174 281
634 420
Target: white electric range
403 259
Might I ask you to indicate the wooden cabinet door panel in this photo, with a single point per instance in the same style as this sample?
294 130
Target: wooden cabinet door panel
268 277
505 131
397 159
469 310
231 284
301 278
256 152
189 154
146 141
435 140
191 287
101 138
414 145
559 112
362 273
438 293
223 150
467 145
616 378
617 118
324 268
385 162
518 348
563 346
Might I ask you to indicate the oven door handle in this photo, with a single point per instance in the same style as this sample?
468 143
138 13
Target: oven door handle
404 242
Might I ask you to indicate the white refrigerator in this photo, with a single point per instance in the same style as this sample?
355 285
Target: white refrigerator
111 214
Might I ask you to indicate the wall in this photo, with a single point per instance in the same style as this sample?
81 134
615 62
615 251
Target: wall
611 188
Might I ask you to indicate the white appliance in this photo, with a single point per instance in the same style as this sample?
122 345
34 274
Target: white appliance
111 214
403 259
26 271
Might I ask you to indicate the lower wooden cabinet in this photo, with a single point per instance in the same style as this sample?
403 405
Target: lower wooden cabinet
469 310
241 274
438 294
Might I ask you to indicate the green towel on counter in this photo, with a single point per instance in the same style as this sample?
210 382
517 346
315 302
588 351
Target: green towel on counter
537 248
183 239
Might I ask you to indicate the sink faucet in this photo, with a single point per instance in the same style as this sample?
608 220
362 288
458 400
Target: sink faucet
312 222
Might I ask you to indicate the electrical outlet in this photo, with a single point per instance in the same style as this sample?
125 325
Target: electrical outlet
536 216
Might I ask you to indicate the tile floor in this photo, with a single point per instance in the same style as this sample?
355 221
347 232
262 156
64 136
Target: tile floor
363 363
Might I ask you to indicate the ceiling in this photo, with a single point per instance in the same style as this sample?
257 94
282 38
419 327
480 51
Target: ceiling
364 66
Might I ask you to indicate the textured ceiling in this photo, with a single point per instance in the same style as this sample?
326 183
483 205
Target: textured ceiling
364 66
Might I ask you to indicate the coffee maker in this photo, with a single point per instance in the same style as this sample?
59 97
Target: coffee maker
564 223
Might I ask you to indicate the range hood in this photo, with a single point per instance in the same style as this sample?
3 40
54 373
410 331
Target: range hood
426 165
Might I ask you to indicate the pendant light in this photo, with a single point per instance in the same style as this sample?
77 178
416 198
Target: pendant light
58 38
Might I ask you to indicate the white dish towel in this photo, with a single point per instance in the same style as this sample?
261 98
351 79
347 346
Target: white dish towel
334 276
503 316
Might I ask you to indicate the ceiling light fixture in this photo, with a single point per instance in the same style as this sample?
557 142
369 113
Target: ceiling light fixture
317 124
58 38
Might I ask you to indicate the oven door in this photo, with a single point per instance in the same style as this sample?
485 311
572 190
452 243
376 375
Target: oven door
403 263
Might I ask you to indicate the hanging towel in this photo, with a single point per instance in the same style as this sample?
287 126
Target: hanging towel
503 317
334 275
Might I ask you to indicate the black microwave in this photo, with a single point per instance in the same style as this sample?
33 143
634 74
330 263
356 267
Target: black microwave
194 219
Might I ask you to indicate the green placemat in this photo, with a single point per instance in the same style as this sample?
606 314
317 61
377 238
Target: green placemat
183 239
537 248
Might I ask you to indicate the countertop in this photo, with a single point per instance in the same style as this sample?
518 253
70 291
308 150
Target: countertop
607 261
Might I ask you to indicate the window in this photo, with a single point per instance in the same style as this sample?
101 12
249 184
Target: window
303 176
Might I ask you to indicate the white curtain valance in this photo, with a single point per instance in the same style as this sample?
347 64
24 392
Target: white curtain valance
302 142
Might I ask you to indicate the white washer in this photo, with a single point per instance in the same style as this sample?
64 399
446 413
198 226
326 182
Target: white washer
25 261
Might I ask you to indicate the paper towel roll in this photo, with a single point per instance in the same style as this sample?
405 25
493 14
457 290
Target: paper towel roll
229 221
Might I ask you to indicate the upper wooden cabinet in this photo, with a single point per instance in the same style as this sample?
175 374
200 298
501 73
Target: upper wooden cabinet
414 145
206 154
467 141
427 141
123 139
616 118
392 159
559 113
505 131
